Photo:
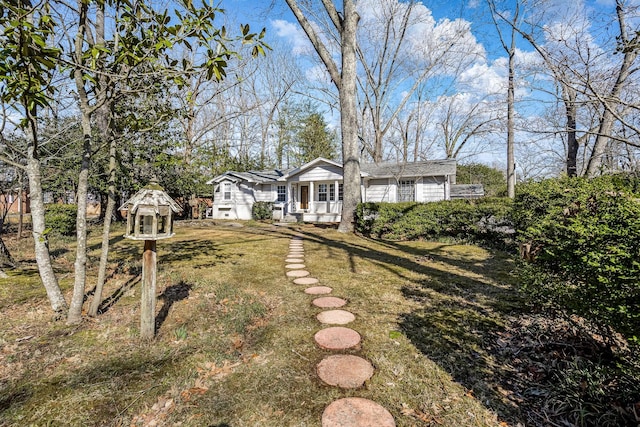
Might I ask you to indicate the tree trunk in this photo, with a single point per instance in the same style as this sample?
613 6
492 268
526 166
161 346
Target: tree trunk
5 256
511 163
569 97
608 118
41 244
103 119
348 111
80 265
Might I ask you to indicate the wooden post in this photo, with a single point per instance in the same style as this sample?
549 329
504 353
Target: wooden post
148 299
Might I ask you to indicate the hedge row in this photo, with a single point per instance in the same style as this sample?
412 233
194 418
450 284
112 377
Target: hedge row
483 220
582 238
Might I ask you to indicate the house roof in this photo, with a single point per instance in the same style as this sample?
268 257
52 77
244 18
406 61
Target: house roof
424 168
309 165
257 177
370 170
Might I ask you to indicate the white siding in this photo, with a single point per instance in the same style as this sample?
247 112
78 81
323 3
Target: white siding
378 190
433 188
265 193
320 173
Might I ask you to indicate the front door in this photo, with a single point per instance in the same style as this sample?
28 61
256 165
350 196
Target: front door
304 197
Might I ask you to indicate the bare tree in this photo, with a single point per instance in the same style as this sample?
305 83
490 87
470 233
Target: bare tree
509 45
344 79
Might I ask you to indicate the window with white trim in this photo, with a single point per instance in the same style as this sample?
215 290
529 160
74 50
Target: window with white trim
282 193
340 192
226 195
332 192
322 192
407 191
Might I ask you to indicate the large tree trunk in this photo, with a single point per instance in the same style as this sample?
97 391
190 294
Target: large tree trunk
348 111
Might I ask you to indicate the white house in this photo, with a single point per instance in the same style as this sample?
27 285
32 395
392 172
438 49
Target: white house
313 192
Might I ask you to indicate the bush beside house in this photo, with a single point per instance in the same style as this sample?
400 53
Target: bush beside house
581 238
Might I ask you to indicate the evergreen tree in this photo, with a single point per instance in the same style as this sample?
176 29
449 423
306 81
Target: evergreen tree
315 139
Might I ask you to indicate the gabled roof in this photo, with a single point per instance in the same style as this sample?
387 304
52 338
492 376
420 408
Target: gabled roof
256 177
424 168
309 165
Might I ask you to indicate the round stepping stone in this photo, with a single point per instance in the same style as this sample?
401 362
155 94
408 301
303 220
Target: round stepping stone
345 371
294 266
337 338
318 290
356 412
297 273
306 281
296 250
295 244
336 317
294 260
329 302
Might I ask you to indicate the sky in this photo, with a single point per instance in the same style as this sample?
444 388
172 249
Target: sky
486 75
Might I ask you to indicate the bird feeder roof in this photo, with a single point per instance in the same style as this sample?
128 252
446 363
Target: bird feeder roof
152 195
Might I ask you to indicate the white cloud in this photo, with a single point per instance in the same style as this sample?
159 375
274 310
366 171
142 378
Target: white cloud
292 32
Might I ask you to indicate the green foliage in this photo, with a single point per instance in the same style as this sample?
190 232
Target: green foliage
315 139
27 61
584 238
493 180
61 218
483 220
262 211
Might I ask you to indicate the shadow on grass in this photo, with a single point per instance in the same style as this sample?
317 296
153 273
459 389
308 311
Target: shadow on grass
463 310
112 299
170 296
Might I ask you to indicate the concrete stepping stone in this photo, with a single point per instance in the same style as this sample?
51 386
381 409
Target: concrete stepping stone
294 266
294 260
306 281
336 317
329 302
356 412
337 338
344 371
318 290
297 273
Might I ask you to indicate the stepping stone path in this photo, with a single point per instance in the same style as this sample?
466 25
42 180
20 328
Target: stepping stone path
338 370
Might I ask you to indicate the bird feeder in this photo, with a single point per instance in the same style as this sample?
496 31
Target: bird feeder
149 218
150 214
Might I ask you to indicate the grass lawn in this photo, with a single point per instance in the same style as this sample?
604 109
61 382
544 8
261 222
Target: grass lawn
235 337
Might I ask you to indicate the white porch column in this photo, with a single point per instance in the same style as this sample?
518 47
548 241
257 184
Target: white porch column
288 203
311 197
335 204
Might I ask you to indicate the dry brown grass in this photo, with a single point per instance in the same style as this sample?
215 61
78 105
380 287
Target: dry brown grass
235 344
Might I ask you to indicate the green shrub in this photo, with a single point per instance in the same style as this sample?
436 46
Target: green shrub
61 219
483 220
584 240
262 211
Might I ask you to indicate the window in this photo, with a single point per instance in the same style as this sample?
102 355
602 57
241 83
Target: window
322 192
332 192
282 193
406 191
340 191
227 191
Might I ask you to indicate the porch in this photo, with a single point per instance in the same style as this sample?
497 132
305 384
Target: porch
315 201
